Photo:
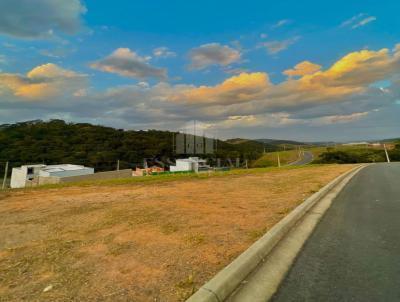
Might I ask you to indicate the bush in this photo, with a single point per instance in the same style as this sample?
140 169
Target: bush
352 156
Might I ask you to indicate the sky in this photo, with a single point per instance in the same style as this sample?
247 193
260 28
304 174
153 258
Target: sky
303 70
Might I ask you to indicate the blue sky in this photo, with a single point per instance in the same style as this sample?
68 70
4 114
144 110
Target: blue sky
229 64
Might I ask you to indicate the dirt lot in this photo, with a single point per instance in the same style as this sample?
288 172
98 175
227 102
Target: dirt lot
140 242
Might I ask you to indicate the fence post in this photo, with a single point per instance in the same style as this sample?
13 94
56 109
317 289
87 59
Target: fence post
5 176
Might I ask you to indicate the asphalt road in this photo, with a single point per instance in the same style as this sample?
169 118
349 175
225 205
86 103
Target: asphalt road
354 252
306 159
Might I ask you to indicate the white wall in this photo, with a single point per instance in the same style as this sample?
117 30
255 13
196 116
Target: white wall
18 178
181 166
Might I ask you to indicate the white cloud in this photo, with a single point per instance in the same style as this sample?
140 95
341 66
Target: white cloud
280 23
40 18
358 20
163 52
126 62
364 21
213 54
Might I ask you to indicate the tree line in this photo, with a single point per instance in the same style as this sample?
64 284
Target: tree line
56 141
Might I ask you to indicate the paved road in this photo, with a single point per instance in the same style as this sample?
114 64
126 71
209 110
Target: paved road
354 253
306 159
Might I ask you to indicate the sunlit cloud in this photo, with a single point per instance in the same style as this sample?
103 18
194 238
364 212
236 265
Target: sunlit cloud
302 69
241 88
42 83
345 92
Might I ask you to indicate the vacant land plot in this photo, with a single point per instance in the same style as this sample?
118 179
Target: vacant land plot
140 242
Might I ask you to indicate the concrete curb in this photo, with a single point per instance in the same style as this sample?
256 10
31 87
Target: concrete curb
228 279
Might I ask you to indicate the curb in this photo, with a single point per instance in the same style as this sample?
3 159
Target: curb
229 278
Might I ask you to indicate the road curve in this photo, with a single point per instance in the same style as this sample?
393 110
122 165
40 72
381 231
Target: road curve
353 254
306 159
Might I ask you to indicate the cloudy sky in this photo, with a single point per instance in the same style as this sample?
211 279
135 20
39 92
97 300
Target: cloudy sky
305 70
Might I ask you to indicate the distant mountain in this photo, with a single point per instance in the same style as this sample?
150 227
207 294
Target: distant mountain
389 140
280 142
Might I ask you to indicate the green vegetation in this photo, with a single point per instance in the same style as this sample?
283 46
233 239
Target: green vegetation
164 178
271 159
56 141
357 154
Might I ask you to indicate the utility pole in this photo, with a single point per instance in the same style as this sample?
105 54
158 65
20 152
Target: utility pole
5 176
387 154
118 165
279 161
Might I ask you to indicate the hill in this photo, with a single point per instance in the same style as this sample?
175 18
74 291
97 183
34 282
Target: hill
56 141
280 142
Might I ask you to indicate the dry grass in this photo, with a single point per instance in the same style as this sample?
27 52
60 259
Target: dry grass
271 159
140 241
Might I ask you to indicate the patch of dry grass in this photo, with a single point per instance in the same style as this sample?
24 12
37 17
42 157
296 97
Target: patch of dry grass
153 241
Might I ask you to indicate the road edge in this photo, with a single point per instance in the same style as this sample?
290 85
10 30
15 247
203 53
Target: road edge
226 281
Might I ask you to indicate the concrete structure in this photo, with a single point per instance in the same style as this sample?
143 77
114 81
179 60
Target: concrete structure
30 175
194 164
147 171
107 175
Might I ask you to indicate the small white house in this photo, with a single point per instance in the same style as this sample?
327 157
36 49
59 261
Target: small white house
27 174
189 164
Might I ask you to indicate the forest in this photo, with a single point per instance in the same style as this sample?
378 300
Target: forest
56 141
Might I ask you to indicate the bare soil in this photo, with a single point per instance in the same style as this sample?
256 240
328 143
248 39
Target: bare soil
140 242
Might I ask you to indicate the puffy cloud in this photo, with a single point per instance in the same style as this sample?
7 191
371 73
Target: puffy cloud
163 52
42 83
302 69
241 88
346 92
213 54
41 19
127 63
350 78
274 47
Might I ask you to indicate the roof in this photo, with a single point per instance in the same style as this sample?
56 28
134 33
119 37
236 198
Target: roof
60 168
55 168
192 160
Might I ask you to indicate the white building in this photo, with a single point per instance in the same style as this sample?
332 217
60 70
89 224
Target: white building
29 175
190 164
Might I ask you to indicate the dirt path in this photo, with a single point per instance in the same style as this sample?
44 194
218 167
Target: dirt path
140 242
